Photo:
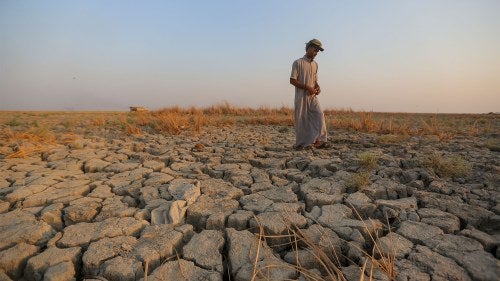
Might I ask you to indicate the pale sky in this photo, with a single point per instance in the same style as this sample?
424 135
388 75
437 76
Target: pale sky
433 56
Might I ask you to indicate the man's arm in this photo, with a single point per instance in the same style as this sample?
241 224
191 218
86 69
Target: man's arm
299 85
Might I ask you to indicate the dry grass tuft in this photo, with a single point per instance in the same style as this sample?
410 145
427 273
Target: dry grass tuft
454 166
98 121
26 143
358 181
294 236
392 138
141 118
378 258
492 144
224 108
199 120
34 140
133 130
146 268
329 264
169 122
368 160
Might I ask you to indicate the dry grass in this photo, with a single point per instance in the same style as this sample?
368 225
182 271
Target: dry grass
492 144
133 130
295 237
358 180
445 126
174 120
449 166
27 143
392 127
368 160
327 259
33 140
378 259
391 138
169 122
146 268
199 120
98 121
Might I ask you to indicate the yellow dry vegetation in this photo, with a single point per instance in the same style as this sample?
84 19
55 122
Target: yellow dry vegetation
28 132
34 140
326 256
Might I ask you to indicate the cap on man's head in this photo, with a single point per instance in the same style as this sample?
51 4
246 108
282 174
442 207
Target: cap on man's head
316 43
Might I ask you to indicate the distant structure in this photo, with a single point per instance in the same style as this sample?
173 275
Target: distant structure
138 109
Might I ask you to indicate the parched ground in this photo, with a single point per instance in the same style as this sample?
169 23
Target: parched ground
193 206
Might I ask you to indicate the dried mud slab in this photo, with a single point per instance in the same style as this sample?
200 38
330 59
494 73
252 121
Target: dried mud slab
238 203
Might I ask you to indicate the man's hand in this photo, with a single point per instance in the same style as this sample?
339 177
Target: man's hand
317 89
311 90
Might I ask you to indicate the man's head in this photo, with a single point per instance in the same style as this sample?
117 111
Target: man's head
313 47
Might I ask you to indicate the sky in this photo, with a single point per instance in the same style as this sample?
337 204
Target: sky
436 56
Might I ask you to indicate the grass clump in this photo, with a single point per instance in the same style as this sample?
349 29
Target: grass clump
454 166
368 160
319 256
98 121
133 130
492 144
199 120
358 181
392 138
28 142
33 140
168 122
13 122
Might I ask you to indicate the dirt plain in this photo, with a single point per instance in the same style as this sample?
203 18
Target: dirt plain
113 195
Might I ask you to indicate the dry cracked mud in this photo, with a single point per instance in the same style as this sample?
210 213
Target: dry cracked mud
194 207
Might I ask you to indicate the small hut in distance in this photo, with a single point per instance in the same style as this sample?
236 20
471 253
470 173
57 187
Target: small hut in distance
138 109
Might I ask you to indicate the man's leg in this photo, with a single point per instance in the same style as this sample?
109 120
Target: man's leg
320 141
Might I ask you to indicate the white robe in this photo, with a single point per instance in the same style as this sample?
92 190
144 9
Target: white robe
309 118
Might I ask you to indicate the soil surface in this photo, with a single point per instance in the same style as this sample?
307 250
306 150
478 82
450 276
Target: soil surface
203 206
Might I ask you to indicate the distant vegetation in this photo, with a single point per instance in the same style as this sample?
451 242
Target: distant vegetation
42 128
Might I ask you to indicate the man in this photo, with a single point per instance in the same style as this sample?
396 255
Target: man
310 127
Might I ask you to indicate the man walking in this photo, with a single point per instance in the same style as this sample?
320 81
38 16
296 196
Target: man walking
310 127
